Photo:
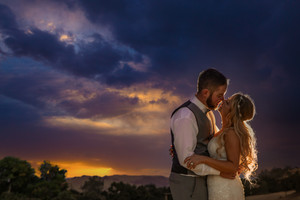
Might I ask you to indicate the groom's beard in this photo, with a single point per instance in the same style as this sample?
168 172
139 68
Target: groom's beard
209 103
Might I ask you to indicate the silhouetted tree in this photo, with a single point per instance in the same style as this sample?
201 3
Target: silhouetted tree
16 176
52 182
66 195
275 180
93 189
150 192
50 172
122 191
13 196
291 182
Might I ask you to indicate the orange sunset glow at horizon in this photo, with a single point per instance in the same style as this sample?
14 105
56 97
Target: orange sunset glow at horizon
78 169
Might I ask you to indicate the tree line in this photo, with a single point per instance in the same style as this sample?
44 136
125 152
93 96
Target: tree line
274 180
18 181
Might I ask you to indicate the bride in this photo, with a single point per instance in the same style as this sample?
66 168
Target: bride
232 149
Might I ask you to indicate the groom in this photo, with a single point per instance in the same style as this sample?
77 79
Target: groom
192 126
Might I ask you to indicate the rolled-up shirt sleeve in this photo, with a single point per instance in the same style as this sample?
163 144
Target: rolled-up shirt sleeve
185 138
203 170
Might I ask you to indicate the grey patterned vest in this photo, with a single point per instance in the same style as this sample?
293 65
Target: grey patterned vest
203 137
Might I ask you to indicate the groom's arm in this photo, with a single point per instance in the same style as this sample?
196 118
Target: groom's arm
185 137
185 130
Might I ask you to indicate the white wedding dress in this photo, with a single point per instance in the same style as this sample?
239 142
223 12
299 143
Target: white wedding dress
221 188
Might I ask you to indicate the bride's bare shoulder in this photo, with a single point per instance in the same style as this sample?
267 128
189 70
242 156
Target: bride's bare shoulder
231 134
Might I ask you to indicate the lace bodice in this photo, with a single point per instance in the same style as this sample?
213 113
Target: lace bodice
213 146
221 188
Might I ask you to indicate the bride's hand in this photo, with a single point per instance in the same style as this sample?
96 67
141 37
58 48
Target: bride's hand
194 160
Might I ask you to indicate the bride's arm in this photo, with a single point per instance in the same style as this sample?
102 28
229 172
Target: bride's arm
231 165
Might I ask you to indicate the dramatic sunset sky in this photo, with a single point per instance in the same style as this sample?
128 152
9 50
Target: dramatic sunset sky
90 85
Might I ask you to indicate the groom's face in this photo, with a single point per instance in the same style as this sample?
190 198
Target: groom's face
216 97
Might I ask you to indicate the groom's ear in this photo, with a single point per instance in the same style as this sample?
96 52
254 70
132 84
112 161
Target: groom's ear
205 93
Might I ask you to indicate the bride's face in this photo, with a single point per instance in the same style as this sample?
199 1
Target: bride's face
224 108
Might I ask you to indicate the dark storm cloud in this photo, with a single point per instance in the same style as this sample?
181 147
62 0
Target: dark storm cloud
99 57
16 112
8 21
22 81
108 104
40 87
95 59
38 44
125 76
187 37
26 89
182 38
171 31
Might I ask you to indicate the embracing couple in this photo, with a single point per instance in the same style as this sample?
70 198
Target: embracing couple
207 161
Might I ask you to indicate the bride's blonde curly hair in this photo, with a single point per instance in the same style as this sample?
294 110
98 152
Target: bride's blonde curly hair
242 110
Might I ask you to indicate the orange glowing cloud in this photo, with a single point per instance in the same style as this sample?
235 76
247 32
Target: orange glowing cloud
76 123
147 95
77 95
149 116
78 168
67 38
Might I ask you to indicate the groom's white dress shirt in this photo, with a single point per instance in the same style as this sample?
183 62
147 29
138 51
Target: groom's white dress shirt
185 130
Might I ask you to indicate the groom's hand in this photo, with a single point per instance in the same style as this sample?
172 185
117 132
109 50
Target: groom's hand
228 175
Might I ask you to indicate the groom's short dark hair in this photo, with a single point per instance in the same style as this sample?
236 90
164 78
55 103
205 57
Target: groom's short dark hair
211 79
